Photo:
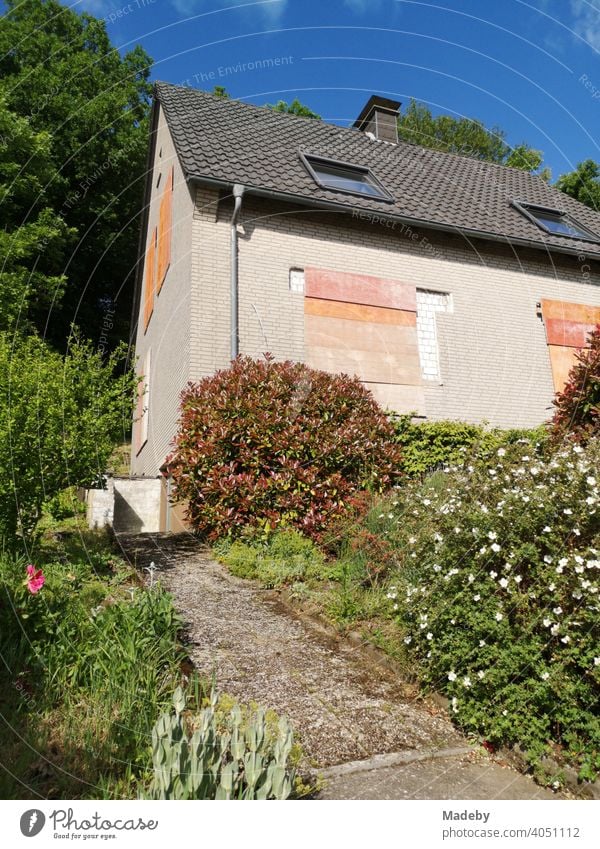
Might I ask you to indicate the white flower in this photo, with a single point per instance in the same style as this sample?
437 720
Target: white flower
552 587
408 640
545 675
455 704
466 681
452 676
503 583
554 630
499 617
578 449
567 511
495 547
597 661
563 561
566 639
557 610
518 579
546 530
471 578
493 574
492 535
426 502
429 635
481 674
395 607
501 452
482 643
547 558
476 597
547 622
577 532
504 713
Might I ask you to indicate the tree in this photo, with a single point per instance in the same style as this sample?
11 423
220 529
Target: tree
59 420
33 239
583 184
60 72
465 136
293 108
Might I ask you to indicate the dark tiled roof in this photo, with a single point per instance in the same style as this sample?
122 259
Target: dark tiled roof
230 141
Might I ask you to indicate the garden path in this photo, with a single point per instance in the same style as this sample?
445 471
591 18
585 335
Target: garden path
346 705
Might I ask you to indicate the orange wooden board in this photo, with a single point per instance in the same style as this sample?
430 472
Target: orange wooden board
359 289
399 397
571 334
562 359
359 312
568 311
149 276
322 331
367 365
165 222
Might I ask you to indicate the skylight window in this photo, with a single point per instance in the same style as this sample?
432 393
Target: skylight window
344 177
556 222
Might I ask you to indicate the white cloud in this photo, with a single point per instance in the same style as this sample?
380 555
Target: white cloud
586 21
272 10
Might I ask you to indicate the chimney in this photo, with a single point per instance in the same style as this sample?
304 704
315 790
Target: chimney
379 117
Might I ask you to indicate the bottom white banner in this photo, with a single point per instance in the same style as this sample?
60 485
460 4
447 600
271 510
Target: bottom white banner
263 825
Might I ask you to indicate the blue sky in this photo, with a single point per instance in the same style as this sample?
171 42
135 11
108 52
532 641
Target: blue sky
531 67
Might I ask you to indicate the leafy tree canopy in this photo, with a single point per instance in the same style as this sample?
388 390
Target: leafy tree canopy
293 108
59 71
466 136
583 184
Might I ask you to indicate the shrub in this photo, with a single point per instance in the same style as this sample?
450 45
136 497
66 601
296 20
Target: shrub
269 444
427 446
285 557
578 405
59 419
211 756
500 577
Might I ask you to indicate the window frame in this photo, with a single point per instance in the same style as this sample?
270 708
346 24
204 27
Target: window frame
307 160
529 211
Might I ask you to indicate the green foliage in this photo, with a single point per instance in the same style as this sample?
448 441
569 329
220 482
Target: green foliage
88 105
59 419
465 136
33 238
577 413
221 91
211 756
497 592
273 444
89 664
285 557
293 108
427 446
583 184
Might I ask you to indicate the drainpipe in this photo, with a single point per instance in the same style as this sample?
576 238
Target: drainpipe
238 192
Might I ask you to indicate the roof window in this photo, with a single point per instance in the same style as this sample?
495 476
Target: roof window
344 177
556 222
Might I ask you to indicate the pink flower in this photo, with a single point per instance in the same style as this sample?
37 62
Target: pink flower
35 579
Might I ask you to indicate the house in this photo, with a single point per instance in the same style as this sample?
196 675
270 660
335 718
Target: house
454 288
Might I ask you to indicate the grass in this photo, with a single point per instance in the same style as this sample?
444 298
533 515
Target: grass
86 666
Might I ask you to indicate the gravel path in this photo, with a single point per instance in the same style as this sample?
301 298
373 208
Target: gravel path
346 708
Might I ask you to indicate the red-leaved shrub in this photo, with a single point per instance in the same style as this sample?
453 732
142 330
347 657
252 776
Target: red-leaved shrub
267 444
577 413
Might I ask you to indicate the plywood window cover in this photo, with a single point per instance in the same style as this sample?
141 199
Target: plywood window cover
165 227
149 277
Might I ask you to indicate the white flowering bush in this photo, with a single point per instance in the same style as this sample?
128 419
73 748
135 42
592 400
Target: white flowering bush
498 590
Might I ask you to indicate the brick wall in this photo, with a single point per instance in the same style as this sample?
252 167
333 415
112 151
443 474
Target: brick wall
493 359
169 330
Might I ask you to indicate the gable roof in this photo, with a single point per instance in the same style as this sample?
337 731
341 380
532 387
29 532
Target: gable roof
226 141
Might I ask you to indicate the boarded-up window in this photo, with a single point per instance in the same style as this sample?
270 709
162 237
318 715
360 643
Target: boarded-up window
149 277
142 406
165 223
365 326
568 327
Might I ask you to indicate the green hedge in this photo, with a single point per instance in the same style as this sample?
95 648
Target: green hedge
427 446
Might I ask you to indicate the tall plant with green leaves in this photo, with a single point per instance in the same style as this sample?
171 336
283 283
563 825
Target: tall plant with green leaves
60 418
